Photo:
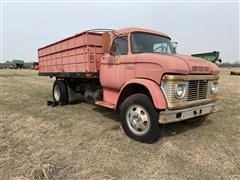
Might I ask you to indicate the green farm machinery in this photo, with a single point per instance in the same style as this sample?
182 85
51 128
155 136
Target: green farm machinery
15 64
210 56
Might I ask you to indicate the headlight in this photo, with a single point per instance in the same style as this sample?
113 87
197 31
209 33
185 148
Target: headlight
214 87
180 90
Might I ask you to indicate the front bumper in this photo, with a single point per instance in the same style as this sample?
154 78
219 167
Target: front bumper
169 116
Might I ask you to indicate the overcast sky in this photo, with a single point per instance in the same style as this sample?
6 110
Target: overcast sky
197 27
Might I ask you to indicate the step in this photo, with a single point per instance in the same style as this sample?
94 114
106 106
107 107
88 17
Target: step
105 104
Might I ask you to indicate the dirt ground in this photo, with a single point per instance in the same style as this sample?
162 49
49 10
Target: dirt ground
83 141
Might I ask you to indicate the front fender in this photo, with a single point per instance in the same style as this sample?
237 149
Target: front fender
154 90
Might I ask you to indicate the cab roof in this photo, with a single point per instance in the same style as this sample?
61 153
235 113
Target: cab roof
130 30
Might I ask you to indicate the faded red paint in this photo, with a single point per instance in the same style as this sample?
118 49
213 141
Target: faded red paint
79 53
83 53
154 89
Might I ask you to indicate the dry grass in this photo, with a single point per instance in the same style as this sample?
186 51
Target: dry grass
83 141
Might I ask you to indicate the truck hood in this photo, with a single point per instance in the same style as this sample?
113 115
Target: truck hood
180 64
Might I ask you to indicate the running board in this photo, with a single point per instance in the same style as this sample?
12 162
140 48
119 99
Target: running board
105 104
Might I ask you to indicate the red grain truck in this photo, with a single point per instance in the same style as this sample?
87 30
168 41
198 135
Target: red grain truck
135 71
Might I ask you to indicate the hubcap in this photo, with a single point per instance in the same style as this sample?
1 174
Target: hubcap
56 93
138 119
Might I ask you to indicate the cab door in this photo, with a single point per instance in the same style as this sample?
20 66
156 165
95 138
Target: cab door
112 65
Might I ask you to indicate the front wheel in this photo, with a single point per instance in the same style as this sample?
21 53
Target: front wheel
140 118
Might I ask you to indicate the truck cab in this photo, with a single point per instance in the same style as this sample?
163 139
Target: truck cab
143 64
135 71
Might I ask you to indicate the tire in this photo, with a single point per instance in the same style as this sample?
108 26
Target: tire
140 118
60 92
197 120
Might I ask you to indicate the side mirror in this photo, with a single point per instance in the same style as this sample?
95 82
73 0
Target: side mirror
106 39
174 44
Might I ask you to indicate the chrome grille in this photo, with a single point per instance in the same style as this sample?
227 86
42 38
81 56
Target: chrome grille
197 89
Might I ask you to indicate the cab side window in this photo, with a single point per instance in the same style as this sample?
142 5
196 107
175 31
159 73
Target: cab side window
120 46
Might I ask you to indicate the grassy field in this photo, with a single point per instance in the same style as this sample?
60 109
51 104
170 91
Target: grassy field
83 141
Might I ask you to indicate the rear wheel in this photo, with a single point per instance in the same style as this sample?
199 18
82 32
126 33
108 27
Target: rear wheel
140 118
60 92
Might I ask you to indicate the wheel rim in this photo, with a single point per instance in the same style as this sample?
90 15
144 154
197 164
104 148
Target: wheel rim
56 93
138 119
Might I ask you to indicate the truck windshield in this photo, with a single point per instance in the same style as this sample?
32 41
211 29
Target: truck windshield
150 43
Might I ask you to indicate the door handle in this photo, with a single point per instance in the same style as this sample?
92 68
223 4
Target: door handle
130 67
